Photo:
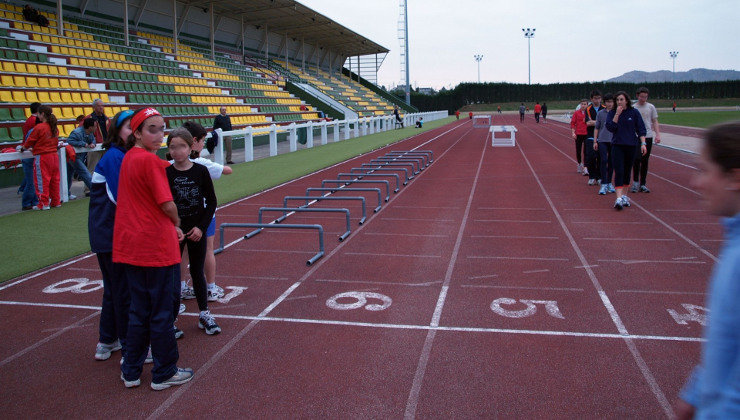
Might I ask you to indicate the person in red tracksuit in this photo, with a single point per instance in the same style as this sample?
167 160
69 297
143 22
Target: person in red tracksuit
43 141
579 131
537 111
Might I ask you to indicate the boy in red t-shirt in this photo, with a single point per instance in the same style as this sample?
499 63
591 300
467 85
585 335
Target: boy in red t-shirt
537 111
146 237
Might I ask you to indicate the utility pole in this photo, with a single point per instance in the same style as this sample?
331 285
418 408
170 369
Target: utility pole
529 34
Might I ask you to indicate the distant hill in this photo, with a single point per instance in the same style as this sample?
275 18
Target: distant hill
696 75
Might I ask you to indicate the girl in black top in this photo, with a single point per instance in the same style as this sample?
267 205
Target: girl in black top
192 191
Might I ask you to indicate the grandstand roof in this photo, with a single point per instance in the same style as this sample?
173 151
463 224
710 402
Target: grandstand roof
298 21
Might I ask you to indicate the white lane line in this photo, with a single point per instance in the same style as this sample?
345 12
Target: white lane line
275 251
379 254
616 319
536 271
416 235
427 207
497 286
631 239
613 222
22 280
487 276
426 351
689 210
300 297
517 258
510 208
675 183
418 219
391 326
224 276
97 270
424 284
47 339
511 221
515 236
661 292
220 353
676 162
697 223
628 262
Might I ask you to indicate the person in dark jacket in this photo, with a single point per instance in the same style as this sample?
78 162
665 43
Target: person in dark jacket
223 122
629 134
80 137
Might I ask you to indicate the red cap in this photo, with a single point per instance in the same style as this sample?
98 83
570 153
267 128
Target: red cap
141 116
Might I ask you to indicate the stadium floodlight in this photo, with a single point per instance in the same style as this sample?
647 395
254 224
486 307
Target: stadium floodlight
673 55
478 58
529 34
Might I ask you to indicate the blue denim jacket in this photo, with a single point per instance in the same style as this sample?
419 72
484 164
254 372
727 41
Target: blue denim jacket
714 386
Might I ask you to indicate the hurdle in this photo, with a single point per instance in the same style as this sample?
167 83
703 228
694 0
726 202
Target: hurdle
424 156
273 226
307 198
428 153
380 200
397 162
391 165
375 168
419 160
301 210
356 179
339 181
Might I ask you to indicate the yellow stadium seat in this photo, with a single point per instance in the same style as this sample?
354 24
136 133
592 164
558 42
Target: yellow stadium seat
32 68
55 98
8 67
87 97
44 97
32 97
66 97
76 97
19 96
19 81
74 84
7 80
65 84
6 96
62 70
32 81
54 84
68 113
104 97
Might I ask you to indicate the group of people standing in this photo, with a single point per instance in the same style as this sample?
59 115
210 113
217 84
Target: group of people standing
539 110
613 142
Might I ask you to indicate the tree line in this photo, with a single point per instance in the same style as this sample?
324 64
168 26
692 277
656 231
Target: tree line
472 93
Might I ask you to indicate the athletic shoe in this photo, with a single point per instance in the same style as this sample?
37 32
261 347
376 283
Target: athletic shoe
72 197
602 190
182 309
57 206
635 187
610 188
214 295
179 333
219 290
187 293
585 171
131 384
149 358
644 188
42 208
103 351
207 322
579 168
180 377
618 204
625 201
591 182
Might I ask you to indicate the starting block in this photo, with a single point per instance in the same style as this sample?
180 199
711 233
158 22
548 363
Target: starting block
503 142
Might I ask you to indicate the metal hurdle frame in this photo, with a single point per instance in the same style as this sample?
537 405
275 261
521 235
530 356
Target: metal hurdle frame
334 190
307 198
403 166
394 162
419 161
273 226
365 171
356 179
342 237
428 153
338 181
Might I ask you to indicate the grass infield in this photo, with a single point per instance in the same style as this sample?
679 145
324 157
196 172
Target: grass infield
701 119
34 239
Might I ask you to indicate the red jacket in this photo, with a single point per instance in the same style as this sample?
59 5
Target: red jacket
41 140
537 108
578 122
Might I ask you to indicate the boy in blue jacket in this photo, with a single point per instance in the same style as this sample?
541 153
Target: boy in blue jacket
81 136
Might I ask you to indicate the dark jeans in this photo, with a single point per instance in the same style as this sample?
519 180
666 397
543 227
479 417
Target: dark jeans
622 158
80 168
537 117
521 117
29 198
591 159
197 255
116 301
150 317
607 170
639 173
580 139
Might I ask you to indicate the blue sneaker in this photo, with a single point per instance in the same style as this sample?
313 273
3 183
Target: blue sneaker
602 190
618 204
610 188
625 201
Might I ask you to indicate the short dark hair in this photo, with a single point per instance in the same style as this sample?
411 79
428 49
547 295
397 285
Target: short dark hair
626 96
88 122
595 92
608 97
34 107
723 144
195 129
643 89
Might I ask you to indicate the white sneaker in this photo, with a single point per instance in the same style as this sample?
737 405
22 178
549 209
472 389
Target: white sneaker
182 308
180 377
187 293
207 322
579 168
72 197
103 351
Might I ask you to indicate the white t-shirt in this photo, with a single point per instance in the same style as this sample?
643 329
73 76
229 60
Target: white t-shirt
215 170
649 113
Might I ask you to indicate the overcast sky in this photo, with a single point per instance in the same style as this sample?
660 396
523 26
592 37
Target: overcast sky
575 41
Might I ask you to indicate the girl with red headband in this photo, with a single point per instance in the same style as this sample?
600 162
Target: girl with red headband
146 237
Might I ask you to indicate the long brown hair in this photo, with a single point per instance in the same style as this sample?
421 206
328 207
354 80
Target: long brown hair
50 118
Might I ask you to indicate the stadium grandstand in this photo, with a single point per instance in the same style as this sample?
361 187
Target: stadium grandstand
267 61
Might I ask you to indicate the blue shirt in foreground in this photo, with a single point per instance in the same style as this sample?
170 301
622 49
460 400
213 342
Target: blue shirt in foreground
628 128
714 386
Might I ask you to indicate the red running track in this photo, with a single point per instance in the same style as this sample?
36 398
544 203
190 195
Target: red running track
502 285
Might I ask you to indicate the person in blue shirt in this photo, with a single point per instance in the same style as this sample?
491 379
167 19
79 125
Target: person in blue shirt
629 134
81 136
713 390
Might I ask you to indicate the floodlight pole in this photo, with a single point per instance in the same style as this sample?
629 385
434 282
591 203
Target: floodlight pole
406 32
478 58
673 55
529 34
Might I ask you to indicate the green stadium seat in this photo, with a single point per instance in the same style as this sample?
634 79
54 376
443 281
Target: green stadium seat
4 136
3 43
5 114
32 56
94 73
17 114
22 45
12 43
16 133
43 58
10 54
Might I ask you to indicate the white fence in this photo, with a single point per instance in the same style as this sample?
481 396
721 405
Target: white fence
341 130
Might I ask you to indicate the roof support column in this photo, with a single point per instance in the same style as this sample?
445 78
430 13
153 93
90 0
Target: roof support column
60 19
242 36
303 50
174 27
213 33
286 50
125 22
330 66
267 47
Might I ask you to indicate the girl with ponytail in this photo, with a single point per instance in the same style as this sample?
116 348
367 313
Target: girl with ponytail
43 142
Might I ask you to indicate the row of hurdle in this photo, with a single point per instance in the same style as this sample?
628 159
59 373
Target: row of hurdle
389 172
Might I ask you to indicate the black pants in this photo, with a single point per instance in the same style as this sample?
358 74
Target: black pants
639 173
197 255
580 139
623 157
521 117
591 159
150 320
116 301
537 117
